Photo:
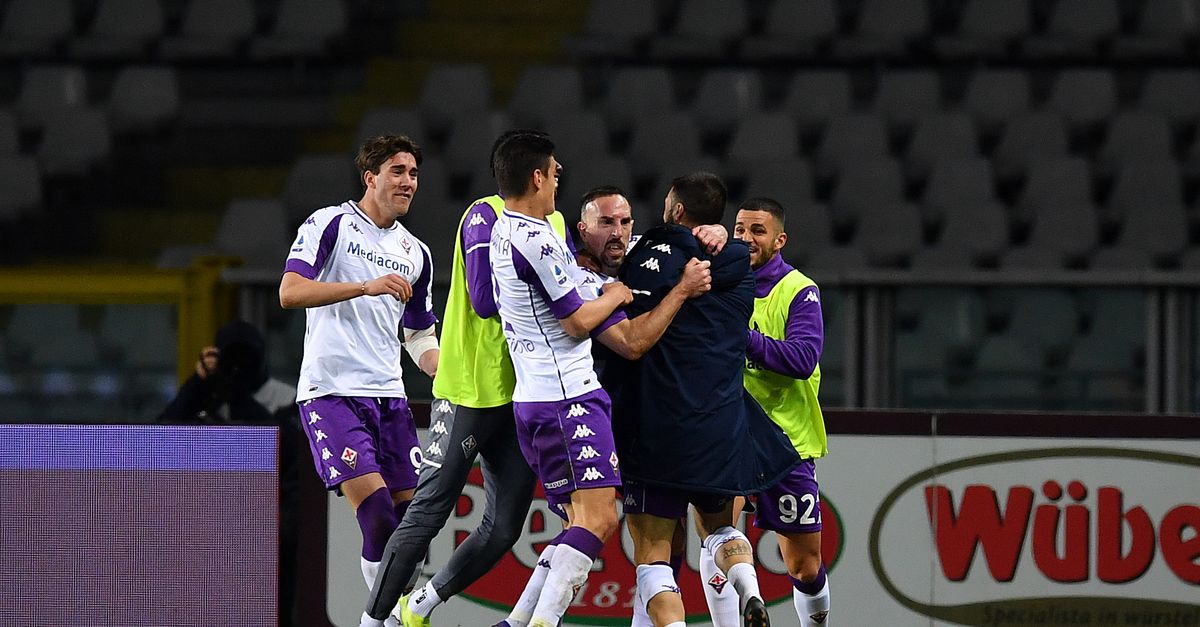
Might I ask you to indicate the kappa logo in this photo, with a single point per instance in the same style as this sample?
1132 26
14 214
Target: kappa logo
476 220
325 454
434 450
333 473
532 234
356 229
313 418
350 456
651 264
819 617
588 452
630 500
812 298
468 445
582 431
717 582
668 588
547 251
320 435
444 407
544 563
591 474
439 427
311 221
576 411
556 484
662 248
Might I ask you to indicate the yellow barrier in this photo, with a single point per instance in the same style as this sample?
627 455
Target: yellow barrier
202 301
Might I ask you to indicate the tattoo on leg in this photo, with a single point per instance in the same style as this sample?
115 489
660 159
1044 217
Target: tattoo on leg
735 548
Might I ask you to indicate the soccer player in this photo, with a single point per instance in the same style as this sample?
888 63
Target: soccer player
563 416
363 279
472 413
707 441
783 374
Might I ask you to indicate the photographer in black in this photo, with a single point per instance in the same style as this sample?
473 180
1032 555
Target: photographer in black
233 386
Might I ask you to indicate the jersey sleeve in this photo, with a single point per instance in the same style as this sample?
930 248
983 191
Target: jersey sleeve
539 263
418 311
475 237
799 352
315 240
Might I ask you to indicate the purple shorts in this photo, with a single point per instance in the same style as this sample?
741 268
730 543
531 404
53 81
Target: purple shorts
569 444
793 505
670 503
351 436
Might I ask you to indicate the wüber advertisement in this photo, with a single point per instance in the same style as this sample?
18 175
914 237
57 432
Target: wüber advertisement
996 531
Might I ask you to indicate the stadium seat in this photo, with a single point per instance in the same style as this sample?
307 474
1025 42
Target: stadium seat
1141 187
542 91
955 317
211 29
921 363
955 183
1163 30
257 230
470 140
788 181
1083 97
450 92
1032 258
793 30
1070 229
20 186
829 261
144 335
724 97
851 139
436 227
885 28
47 89
1121 259
940 136
809 229
27 332
302 29
433 189
1108 371
1056 182
762 138
143 99
1135 137
905 96
1048 318
1007 373
390 121
319 180
35 28
1028 138
988 28
578 136
635 93
121 29
1174 93
613 29
978 231
889 234
1076 29
993 97
939 258
662 137
705 29
1161 231
75 141
866 184
10 143
815 96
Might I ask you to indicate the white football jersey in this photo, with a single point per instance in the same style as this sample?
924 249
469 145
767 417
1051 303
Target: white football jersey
352 348
536 283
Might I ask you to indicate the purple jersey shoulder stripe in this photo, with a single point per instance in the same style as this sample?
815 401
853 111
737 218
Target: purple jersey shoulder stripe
613 320
418 317
328 239
561 308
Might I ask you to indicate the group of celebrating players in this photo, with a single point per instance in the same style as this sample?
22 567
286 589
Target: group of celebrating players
700 388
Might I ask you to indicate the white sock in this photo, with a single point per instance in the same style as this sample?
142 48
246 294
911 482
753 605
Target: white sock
652 580
568 569
813 610
369 570
678 624
367 621
422 602
640 617
745 579
721 596
522 612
